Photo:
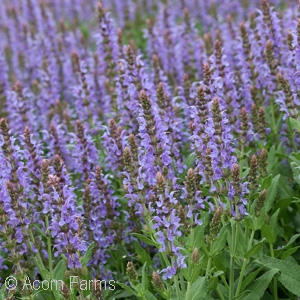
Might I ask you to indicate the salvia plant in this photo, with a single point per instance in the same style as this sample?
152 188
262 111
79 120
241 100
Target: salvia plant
149 149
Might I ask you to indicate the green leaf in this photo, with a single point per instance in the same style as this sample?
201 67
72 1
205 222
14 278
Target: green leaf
274 224
218 273
258 286
266 182
3 292
290 284
196 271
144 256
149 296
41 232
127 288
56 293
88 254
272 192
45 274
270 231
272 159
289 252
220 241
221 261
259 221
122 295
73 297
223 290
146 240
255 249
58 274
288 245
213 283
248 220
241 246
189 162
284 266
84 30
267 233
240 296
196 237
296 172
199 289
283 204
59 270
46 295
296 157
144 278
250 277
294 124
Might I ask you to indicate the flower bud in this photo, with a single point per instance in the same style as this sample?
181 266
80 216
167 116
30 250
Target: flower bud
217 118
202 104
133 147
145 101
272 62
236 181
132 274
207 164
290 40
254 117
160 95
289 99
252 176
160 180
216 222
65 290
182 216
97 289
207 74
208 42
262 123
244 127
157 283
263 162
45 171
5 130
127 158
260 202
195 256
245 38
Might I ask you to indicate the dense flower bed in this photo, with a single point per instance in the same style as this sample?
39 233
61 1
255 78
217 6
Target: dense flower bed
150 145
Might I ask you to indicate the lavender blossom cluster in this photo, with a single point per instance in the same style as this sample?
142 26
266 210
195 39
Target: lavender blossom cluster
101 139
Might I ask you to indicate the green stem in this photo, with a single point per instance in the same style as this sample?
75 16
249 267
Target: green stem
165 259
242 159
38 256
291 136
235 231
273 123
245 262
207 273
187 295
178 292
246 231
182 283
231 270
275 289
224 281
220 294
49 247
